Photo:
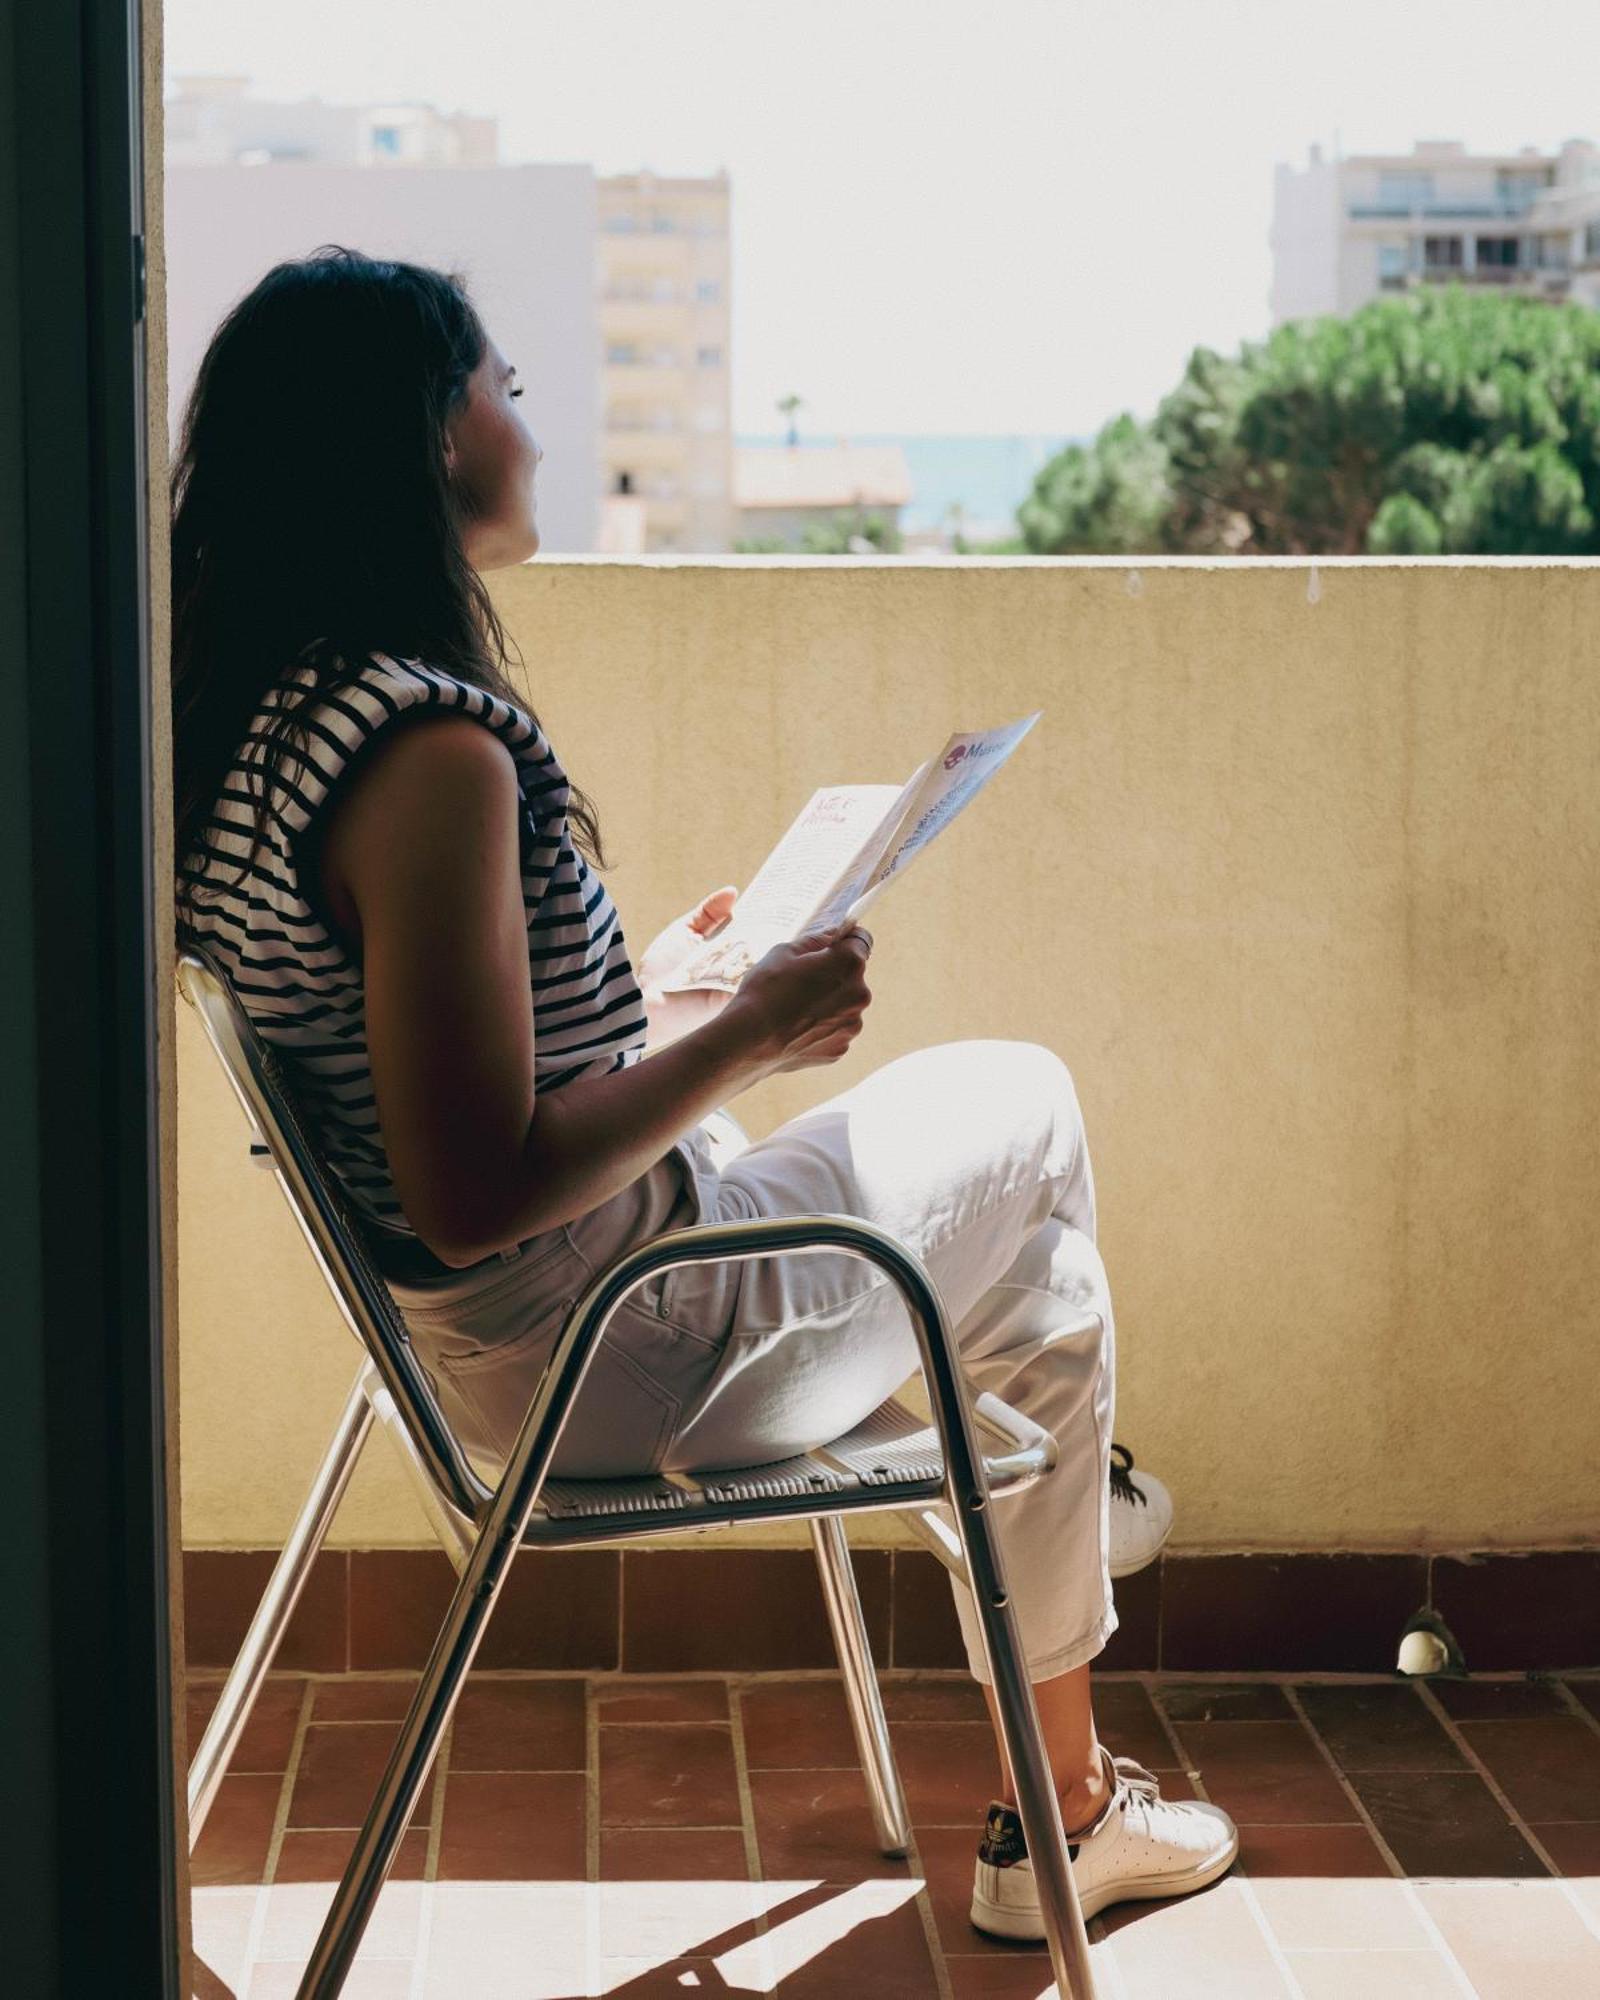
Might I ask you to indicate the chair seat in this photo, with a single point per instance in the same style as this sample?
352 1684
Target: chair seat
894 1448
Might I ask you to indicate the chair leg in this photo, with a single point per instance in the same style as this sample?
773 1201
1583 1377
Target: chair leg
861 1691
967 1496
455 1534
272 1615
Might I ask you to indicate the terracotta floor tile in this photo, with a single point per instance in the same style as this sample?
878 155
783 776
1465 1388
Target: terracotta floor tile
634 1698
341 1764
1335 1852
1012 1976
1383 1726
1266 1773
1340 1913
1484 1701
364 1698
816 1826
857 1938
1548 1766
1444 1823
1129 1726
320 1854
671 1854
1200 1947
947 1854
1136 1643
739 1610
295 1912
950 1771
513 1826
1374 1975
369 1979
519 1725
268 1735
703 1917
509 1940
221 1919
238 1831
660 1979
678 1776
796 1725
933 1698
1515 1940
1575 1850
1224 1701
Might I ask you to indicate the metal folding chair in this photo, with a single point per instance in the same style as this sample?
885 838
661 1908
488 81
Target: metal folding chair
892 1462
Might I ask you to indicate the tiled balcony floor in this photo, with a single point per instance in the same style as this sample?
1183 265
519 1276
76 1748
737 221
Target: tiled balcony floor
703 1835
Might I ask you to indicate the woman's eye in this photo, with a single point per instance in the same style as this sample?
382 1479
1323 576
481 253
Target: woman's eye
516 392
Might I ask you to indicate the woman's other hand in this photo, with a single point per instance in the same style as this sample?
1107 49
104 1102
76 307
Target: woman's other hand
804 1002
672 1015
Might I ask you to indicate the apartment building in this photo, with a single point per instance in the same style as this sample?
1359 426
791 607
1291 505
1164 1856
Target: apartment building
1347 230
523 237
665 325
213 121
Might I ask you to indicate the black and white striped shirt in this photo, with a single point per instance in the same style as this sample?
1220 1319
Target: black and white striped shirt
302 990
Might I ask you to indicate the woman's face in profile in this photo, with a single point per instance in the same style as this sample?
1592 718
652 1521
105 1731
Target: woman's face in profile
494 458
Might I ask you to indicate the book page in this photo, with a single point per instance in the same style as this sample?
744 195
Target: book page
829 842
944 787
846 846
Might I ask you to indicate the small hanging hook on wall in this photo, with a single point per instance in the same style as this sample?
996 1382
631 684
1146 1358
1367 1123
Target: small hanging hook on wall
1314 586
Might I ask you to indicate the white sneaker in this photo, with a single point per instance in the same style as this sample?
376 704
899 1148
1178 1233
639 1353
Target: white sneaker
1141 1515
1141 1847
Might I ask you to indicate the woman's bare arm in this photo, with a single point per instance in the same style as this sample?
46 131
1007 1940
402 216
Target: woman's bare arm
421 857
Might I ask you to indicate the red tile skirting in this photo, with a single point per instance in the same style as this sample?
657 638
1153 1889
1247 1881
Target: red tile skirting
746 1610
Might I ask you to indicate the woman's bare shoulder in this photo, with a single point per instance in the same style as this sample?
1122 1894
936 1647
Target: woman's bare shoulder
430 778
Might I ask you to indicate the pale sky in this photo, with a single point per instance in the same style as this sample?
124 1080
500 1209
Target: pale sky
1011 217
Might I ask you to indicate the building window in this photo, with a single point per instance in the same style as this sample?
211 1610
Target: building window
1442 253
621 353
624 482
619 225
1591 239
1516 189
708 357
386 140
1405 191
708 292
1552 253
1498 253
1391 267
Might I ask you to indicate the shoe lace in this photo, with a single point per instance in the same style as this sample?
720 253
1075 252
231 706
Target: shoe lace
1122 1486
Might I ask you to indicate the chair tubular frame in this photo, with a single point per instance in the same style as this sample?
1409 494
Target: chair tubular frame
482 1528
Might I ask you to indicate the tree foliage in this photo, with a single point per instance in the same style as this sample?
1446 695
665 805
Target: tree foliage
1446 422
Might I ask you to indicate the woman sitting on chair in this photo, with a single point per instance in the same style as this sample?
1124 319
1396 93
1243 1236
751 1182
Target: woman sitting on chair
380 845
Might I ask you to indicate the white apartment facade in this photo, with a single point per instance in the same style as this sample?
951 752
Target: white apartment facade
665 324
213 121
522 237
1345 231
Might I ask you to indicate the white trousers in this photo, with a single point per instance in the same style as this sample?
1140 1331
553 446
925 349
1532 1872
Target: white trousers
972 1154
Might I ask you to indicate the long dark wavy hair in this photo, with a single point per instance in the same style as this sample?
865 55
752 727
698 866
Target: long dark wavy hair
314 520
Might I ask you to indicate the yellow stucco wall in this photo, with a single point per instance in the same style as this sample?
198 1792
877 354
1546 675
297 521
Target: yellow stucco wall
1299 874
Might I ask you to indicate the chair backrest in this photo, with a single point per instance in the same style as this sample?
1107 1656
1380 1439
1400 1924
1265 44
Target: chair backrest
320 1207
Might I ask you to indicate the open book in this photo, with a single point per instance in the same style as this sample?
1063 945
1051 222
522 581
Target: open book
848 844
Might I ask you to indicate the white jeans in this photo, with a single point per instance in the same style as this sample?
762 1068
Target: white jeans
972 1154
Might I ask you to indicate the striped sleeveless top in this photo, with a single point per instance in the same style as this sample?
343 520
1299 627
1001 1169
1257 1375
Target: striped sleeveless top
302 991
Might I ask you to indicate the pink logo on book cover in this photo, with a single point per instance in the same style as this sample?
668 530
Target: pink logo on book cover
955 756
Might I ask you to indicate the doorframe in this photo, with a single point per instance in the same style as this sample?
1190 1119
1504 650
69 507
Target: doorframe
91 1889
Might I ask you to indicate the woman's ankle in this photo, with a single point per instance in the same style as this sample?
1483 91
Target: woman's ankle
1083 1803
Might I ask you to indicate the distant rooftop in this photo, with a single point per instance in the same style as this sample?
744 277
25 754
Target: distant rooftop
820 475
